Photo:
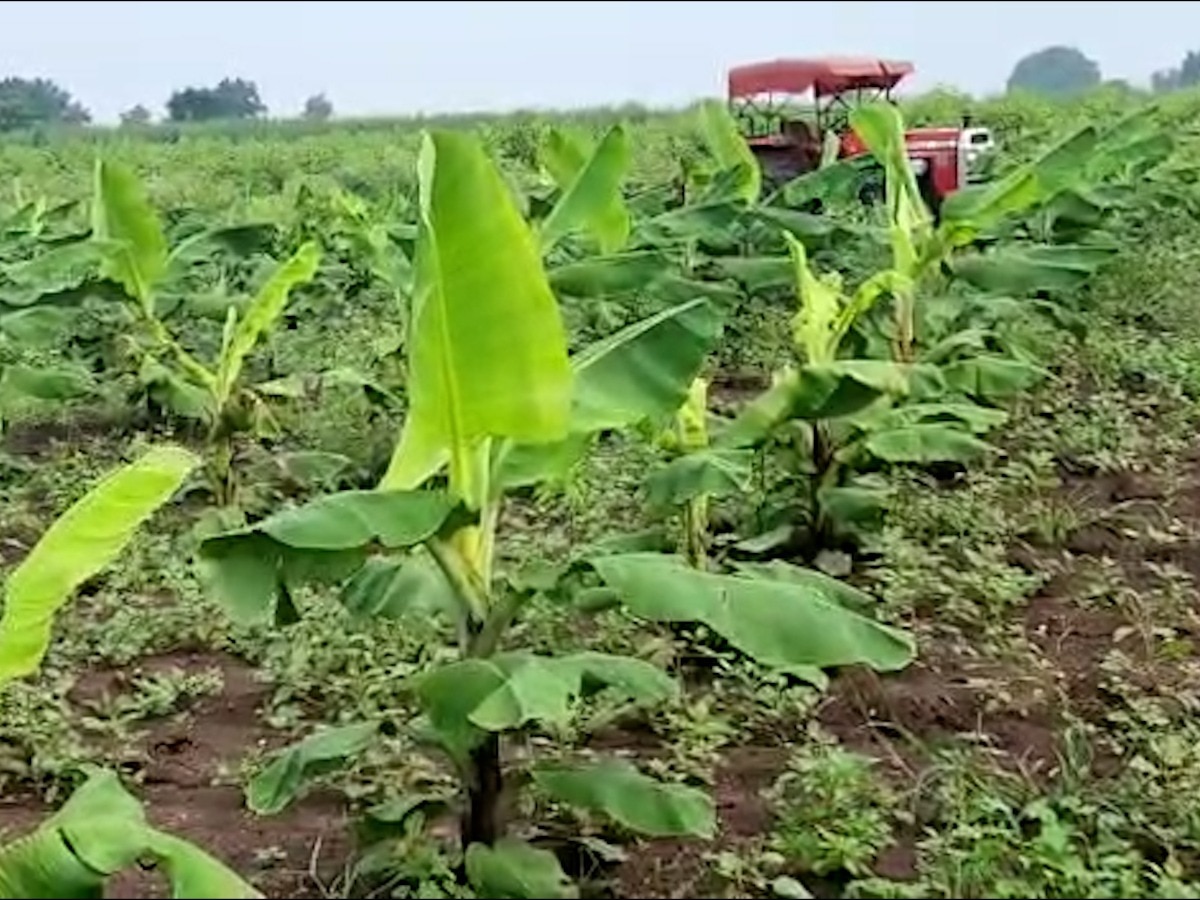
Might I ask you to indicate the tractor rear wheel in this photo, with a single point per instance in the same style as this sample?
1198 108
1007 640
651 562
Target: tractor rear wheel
778 170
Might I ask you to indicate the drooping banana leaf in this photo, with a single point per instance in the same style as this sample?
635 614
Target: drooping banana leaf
100 831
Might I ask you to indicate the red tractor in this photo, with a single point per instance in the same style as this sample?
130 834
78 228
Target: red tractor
763 97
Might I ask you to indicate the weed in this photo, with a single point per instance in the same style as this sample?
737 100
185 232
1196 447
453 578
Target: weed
832 811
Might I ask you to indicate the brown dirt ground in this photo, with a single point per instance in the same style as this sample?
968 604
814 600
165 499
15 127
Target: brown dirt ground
41 439
677 869
1014 709
184 762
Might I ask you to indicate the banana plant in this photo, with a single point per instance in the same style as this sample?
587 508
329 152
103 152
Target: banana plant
589 189
1116 165
102 829
727 221
813 407
910 224
133 252
584 212
842 415
703 477
28 331
583 226
595 260
29 327
654 254
925 254
839 415
497 402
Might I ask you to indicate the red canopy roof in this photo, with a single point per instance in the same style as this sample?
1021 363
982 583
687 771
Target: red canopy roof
825 76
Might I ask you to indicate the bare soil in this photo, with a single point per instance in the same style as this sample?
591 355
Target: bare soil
953 693
186 763
39 440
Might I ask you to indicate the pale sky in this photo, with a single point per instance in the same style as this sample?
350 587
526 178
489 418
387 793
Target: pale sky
407 57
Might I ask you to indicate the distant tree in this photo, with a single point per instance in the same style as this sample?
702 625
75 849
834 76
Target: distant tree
1186 74
318 108
138 115
1164 80
233 98
1054 70
1189 70
38 101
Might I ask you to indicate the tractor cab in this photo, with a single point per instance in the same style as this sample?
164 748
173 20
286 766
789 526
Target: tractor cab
792 134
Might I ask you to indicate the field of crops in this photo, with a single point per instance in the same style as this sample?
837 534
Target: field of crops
535 508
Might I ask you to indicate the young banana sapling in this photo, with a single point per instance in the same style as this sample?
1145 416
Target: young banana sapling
133 252
496 402
101 829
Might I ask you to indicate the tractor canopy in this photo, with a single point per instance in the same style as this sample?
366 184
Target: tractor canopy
825 77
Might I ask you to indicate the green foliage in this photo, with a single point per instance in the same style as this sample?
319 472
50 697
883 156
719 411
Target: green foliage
854 408
101 830
481 295
514 869
253 571
131 246
832 812
136 117
908 419
790 624
632 799
729 149
1186 74
494 393
277 785
590 185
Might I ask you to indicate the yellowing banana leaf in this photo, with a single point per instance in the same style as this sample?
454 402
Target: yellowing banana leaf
85 539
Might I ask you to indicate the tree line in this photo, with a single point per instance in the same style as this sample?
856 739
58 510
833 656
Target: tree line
30 102
1067 70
